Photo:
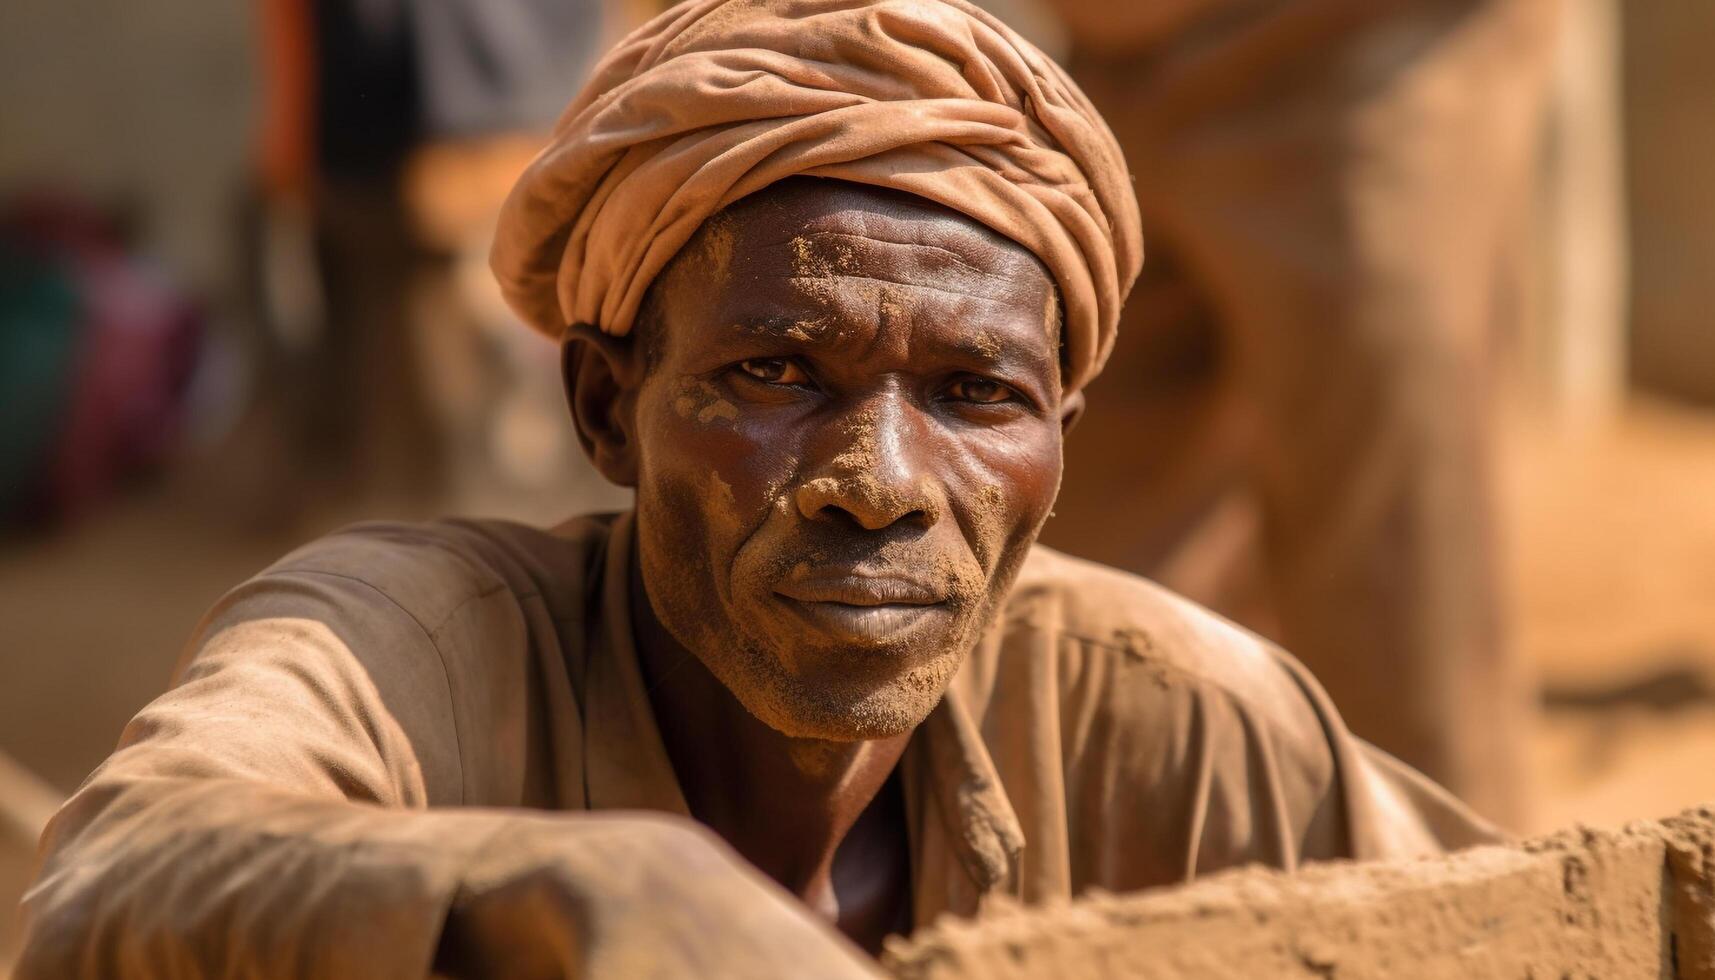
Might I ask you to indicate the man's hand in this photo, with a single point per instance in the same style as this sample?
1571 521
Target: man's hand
630 895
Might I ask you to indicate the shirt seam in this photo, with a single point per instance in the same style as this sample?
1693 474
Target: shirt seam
428 634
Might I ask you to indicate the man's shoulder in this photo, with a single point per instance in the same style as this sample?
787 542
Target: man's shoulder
1138 635
432 568
1114 613
1204 744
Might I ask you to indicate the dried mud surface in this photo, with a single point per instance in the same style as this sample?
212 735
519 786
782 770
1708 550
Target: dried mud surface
1582 903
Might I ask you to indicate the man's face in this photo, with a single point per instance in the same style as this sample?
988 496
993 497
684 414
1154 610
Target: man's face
849 439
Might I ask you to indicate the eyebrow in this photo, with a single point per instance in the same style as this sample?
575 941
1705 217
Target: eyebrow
785 325
991 348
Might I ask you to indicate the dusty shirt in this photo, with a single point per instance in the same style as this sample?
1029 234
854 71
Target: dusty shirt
390 732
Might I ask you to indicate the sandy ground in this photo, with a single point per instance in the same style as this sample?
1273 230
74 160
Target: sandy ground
1613 561
1614 572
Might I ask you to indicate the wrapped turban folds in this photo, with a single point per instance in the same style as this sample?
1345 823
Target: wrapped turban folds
717 99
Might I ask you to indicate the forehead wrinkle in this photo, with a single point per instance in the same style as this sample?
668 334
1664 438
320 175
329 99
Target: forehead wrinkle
877 262
820 282
979 306
892 331
835 277
909 220
867 238
820 300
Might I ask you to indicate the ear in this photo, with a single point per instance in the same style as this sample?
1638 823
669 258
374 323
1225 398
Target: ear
603 374
1071 410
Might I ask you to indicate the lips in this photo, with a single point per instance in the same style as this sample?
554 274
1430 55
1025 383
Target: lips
860 590
863 609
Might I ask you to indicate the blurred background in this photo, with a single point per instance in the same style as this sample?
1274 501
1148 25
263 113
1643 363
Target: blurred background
1420 378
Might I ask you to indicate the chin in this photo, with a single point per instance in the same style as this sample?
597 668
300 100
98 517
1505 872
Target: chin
840 708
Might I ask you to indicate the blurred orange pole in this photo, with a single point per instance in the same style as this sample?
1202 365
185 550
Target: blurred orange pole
286 143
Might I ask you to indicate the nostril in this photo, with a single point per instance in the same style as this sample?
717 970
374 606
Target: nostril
844 517
878 520
918 516
864 503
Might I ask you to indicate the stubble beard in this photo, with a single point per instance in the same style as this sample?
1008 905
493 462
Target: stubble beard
756 665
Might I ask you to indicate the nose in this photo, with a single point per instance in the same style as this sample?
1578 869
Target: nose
877 473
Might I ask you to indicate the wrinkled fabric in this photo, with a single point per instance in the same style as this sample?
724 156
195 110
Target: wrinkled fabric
716 99
380 748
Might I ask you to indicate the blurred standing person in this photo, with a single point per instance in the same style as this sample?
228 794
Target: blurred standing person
369 338
1336 196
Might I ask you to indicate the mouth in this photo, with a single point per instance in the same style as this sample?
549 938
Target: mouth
864 610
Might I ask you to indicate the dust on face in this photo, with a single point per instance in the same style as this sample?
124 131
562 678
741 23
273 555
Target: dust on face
846 450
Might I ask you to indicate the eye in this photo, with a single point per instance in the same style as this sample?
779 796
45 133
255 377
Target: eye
774 371
980 391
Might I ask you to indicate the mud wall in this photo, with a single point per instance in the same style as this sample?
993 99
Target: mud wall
1579 904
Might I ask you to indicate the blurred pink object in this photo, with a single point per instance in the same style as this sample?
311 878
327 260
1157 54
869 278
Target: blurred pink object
136 344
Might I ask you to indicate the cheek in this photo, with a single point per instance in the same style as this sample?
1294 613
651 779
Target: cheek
1010 482
705 467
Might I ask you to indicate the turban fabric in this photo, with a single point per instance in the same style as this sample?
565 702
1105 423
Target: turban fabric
716 99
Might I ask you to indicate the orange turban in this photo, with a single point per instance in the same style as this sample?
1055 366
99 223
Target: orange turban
717 99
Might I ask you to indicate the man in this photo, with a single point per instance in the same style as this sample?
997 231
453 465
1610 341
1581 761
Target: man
836 274
1336 197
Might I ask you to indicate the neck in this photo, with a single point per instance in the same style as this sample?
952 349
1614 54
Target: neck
786 804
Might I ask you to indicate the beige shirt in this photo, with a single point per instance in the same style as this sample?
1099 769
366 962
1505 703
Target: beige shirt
391 731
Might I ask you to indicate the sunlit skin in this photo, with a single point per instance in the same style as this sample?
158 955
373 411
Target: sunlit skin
844 437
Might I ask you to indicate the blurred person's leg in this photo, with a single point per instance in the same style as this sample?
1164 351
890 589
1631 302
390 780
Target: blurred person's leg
454 189
367 422
1341 184
1156 470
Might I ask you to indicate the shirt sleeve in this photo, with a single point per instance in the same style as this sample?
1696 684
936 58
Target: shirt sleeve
1216 750
1391 810
1350 799
270 817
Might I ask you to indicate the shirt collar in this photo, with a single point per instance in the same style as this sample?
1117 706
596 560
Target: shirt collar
626 765
979 818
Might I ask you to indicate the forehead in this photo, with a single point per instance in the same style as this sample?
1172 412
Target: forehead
822 247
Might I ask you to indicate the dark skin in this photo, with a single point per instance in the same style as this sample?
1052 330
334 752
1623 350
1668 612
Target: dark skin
844 425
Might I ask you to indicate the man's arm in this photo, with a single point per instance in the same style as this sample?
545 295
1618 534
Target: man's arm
269 817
